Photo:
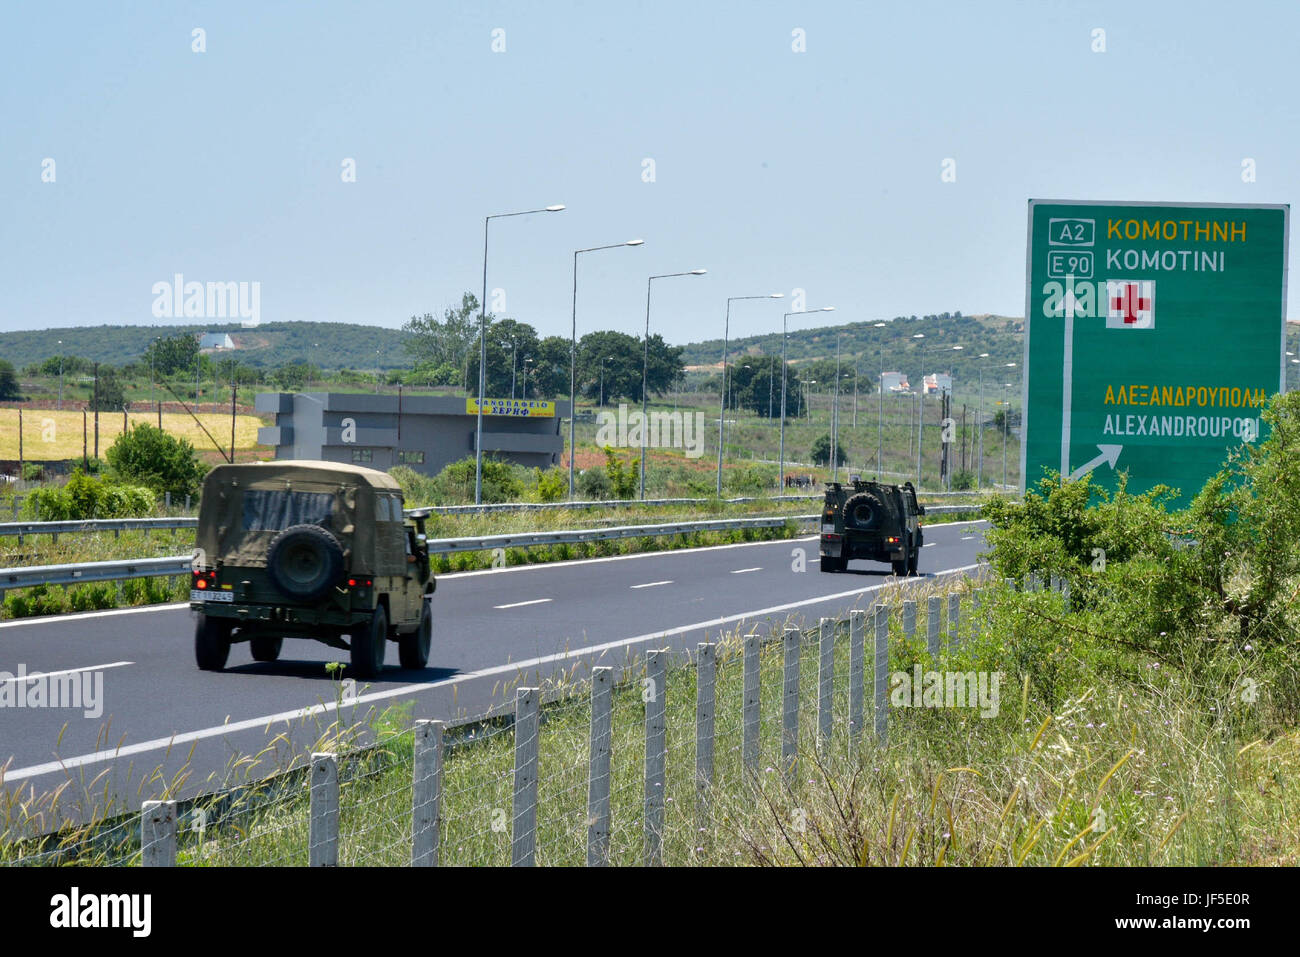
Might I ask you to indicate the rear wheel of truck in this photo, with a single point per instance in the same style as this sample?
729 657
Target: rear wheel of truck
369 643
913 560
830 564
900 567
413 649
211 642
266 647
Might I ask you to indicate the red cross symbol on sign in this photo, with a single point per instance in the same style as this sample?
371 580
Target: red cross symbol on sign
1130 302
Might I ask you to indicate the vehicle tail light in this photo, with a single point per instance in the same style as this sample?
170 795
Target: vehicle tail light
363 582
893 539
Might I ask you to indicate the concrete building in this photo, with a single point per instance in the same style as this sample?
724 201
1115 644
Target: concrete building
216 340
937 383
894 382
425 432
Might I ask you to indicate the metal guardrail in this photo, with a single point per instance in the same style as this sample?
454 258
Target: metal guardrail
114 525
119 525
71 574
445 546
75 574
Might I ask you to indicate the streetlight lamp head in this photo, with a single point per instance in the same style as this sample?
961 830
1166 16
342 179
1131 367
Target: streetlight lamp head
554 209
955 348
777 295
983 355
878 325
828 309
635 242
919 335
698 272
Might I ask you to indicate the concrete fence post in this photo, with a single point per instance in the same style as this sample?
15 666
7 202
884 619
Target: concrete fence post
523 847
426 794
749 718
790 705
976 617
655 695
857 625
881 680
1054 582
826 679
706 666
933 622
598 784
1065 592
158 834
323 831
954 618
909 619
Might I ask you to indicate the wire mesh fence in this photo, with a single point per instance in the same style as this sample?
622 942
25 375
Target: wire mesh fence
646 768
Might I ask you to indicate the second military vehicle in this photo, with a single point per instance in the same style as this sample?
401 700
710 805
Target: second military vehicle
305 549
872 521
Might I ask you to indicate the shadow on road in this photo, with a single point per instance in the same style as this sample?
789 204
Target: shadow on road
315 670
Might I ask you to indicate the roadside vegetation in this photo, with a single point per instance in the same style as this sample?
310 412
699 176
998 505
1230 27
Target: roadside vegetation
1148 717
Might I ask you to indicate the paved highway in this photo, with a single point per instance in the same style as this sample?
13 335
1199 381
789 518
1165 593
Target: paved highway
492 631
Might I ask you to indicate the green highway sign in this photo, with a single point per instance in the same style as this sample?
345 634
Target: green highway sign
1154 335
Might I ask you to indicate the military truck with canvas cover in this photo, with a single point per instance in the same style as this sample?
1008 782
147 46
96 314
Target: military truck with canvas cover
302 549
872 521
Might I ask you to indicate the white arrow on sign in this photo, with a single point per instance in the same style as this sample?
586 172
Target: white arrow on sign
1109 455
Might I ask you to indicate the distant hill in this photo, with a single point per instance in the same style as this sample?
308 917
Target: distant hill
1001 337
327 345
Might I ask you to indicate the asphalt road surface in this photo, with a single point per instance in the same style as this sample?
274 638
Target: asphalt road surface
493 630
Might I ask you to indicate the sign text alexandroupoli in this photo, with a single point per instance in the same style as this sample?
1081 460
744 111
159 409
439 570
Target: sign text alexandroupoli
1154 337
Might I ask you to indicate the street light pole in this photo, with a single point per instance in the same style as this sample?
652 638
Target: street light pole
979 468
645 363
482 347
722 411
835 413
514 357
1005 422
880 415
573 353
920 405
785 322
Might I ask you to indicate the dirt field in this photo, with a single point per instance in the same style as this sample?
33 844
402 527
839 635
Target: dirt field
49 435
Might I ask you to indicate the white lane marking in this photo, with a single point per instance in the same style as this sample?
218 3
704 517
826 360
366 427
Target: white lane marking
520 604
653 584
928 544
85 615
68 671
741 571
517 666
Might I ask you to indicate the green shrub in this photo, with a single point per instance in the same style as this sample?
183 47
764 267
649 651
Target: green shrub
37 600
624 479
148 456
83 497
593 484
551 485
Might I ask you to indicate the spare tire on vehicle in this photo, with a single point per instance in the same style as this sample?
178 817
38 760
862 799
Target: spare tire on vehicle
305 561
863 512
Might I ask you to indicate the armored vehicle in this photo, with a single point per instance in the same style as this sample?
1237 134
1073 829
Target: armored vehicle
302 549
870 520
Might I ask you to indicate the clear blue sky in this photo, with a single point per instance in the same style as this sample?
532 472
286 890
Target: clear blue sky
774 169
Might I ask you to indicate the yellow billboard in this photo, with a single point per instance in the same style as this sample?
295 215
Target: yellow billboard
528 408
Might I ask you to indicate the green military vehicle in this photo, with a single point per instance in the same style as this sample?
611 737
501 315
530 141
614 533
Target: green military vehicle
872 521
302 549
